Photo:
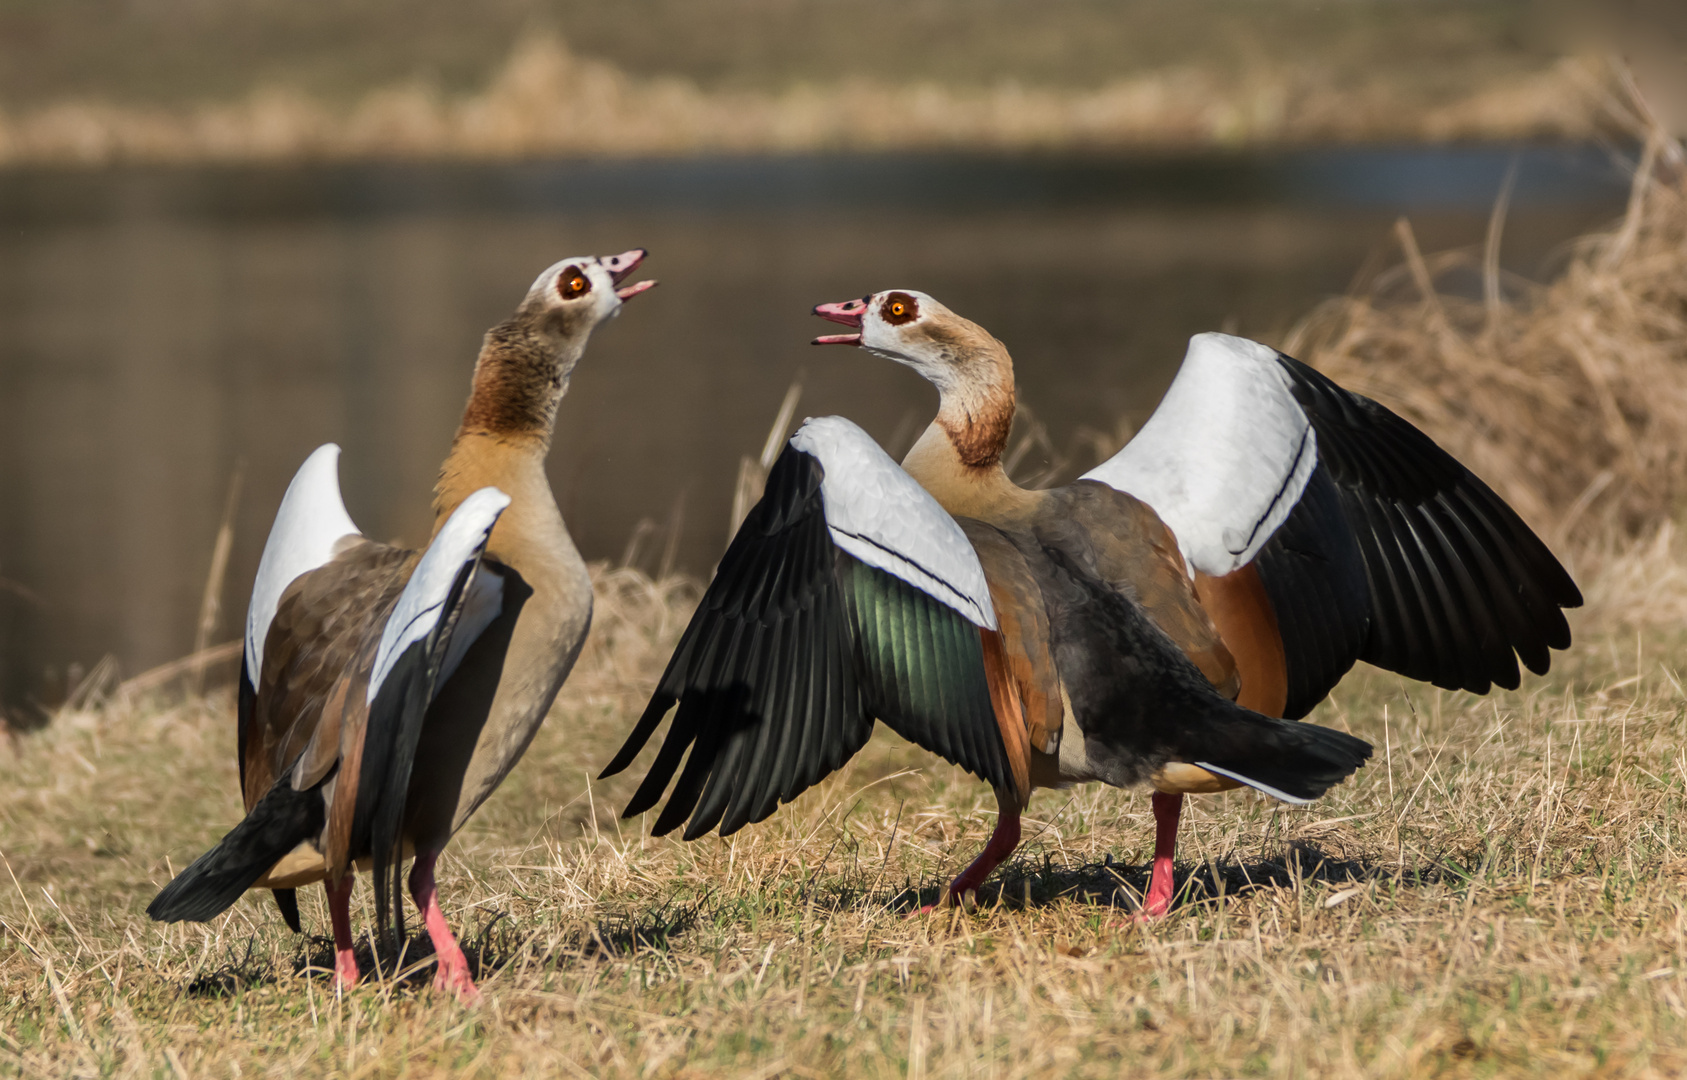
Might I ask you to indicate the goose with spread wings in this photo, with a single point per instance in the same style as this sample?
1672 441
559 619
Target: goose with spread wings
850 595
384 692
1275 527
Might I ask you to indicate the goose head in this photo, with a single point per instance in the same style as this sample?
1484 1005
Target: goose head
575 295
527 360
954 354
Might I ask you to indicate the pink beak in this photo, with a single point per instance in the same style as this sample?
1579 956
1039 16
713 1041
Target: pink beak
619 266
847 312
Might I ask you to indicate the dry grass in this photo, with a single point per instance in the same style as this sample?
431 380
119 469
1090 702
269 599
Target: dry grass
548 101
1502 891
1570 398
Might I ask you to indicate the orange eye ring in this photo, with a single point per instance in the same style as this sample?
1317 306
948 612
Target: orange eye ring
573 283
898 309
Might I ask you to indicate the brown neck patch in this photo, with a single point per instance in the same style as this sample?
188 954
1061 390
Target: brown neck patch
980 435
978 396
518 381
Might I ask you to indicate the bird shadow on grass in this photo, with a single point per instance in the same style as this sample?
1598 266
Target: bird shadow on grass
1022 884
490 948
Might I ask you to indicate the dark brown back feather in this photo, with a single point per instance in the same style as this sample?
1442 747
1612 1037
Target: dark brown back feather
317 656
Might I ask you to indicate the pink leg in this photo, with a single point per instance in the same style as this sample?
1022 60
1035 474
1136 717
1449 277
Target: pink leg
339 913
1001 845
1159 898
453 971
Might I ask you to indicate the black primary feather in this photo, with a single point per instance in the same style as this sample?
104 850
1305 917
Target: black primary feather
393 729
1314 575
245 705
1458 587
794 651
277 824
778 573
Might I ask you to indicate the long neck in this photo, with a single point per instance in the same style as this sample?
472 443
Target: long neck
959 457
519 380
975 412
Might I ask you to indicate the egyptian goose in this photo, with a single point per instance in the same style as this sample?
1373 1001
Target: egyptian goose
384 692
1263 531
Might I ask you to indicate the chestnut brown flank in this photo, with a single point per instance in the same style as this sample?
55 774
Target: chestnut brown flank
1010 718
1239 607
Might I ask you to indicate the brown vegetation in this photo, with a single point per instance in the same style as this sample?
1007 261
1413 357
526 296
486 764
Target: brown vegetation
1571 398
547 101
1499 892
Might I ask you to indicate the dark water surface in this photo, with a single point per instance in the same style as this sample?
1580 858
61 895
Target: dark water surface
157 326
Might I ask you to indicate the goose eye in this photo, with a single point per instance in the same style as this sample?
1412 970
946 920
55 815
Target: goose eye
571 284
899 309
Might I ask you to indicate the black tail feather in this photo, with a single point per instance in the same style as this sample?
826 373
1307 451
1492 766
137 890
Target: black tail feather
1281 757
288 901
282 818
1139 701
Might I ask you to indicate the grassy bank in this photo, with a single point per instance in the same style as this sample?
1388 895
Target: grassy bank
1501 891
176 81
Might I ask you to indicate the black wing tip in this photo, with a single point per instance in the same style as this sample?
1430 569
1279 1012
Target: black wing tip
660 703
641 802
670 819
173 904
1428 646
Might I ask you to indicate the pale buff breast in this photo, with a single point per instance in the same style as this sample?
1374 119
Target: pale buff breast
483 720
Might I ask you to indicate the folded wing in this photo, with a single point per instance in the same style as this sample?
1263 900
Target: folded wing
310 523
848 595
353 647
448 601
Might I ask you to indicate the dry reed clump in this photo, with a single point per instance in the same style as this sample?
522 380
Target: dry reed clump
548 101
1569 398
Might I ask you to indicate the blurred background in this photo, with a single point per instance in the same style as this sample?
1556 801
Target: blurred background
231 230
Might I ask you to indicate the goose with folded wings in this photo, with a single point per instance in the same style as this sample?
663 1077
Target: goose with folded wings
385 693
1169 617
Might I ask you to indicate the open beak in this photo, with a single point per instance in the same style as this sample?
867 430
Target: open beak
622 265
847 312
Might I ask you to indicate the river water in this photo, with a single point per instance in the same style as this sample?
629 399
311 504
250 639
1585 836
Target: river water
160 327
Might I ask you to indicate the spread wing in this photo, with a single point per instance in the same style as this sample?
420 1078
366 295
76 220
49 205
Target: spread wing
1370 541
848 595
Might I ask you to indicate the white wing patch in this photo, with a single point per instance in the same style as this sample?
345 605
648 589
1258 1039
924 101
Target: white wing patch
458 542
1224 458
882 516
312 519
1281 796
